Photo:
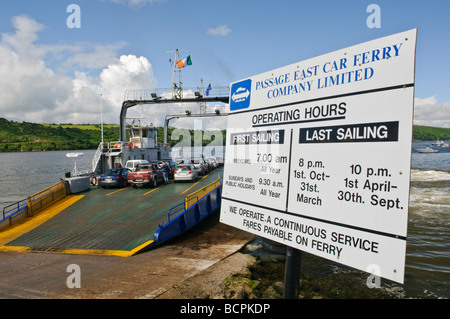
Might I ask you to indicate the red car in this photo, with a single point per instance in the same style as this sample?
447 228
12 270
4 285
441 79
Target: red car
146 174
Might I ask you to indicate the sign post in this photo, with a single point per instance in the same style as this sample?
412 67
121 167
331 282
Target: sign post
318 154
292 273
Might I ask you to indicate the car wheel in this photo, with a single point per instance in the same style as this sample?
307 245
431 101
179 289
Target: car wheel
155 183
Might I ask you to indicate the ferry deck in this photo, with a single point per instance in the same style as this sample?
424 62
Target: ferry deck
119 222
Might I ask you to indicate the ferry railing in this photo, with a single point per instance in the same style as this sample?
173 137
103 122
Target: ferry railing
180 207
174 210
193 198
97 157
13 209
181 218
167 93
35 203
111 147
45 198
188 201
115 147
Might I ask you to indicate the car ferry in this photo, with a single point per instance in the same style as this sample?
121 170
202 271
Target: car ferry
76 215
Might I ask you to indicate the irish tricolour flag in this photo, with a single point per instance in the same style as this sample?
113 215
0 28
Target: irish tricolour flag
185 62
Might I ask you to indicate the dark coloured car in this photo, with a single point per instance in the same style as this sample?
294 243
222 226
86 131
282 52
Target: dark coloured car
115 177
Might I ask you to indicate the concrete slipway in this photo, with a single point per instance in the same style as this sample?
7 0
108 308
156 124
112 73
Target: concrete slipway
95 231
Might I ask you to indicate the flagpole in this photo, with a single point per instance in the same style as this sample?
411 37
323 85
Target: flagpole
101 115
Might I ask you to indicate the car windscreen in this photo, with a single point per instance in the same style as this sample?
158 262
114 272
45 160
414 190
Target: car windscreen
113 172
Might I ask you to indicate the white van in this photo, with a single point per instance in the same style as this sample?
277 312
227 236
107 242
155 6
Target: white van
132 164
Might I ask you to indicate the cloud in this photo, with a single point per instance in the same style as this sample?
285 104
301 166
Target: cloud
26 33
99 57
32 91
25 82
129 72
429 112
221 30
136 3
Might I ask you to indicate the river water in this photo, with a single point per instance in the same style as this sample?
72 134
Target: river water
427 270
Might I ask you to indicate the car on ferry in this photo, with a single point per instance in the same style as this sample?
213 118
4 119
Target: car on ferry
219 160
200 165
133 164
146 174
185 172
115 177
212 162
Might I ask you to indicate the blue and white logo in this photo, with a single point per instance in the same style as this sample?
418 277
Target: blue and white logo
240 95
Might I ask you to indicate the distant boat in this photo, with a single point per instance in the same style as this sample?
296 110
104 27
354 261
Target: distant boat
427 150
438 143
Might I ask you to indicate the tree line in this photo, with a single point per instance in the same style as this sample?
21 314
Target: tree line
428 133
28 137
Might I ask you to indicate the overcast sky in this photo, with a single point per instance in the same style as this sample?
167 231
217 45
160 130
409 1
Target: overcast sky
57 71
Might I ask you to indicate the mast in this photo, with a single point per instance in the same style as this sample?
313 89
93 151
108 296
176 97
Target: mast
201 88
177 83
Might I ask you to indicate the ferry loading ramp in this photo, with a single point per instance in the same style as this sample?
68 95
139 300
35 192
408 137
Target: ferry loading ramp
119 222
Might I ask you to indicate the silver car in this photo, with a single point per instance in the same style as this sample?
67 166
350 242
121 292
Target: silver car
200 165
212 161
185 172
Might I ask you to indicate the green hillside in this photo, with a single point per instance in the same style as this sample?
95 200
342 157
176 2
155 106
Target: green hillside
428 133
25 137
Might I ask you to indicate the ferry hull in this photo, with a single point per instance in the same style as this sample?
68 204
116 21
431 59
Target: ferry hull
190 217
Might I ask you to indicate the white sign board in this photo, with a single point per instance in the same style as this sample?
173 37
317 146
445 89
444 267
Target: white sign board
318 154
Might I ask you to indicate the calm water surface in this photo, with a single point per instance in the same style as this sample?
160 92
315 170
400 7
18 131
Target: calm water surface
427 272
25 174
